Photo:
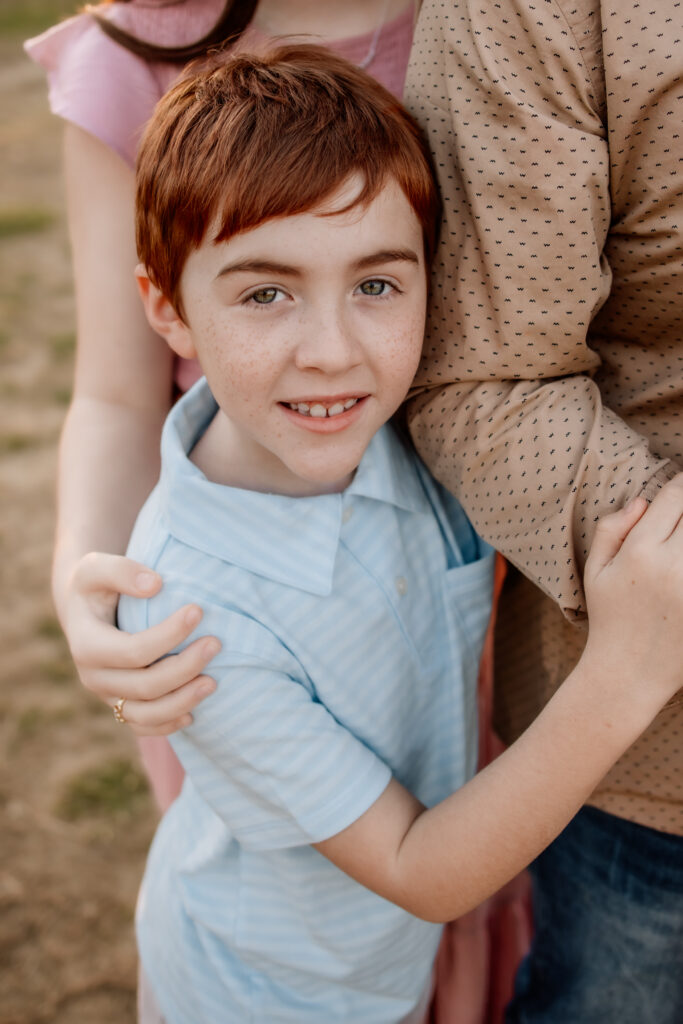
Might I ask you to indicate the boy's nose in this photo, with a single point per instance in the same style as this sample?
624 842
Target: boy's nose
328 343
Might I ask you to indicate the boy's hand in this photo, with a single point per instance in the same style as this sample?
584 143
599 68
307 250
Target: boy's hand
634 590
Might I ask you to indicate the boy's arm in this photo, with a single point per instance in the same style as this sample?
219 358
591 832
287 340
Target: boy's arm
439 863
442 862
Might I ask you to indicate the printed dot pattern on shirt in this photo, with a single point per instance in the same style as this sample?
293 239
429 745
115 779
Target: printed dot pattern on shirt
551 385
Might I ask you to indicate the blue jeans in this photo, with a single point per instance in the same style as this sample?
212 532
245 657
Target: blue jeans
608 913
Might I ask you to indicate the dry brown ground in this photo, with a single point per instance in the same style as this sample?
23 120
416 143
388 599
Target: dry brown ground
70 856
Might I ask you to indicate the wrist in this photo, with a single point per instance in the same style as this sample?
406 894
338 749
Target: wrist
622 703
62 570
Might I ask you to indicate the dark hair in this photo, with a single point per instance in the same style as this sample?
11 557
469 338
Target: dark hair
241 141
232 22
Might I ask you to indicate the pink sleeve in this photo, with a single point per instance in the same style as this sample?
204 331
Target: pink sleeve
97 84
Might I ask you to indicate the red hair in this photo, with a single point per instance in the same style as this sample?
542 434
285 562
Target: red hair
255 137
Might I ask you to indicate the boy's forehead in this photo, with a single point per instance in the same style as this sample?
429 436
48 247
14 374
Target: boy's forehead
340 221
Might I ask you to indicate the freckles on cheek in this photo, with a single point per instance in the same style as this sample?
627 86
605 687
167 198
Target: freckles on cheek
403 352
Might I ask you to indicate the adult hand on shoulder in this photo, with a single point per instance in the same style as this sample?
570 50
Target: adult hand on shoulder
634 590
159 694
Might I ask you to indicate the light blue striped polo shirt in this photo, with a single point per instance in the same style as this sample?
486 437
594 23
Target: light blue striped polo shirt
352 626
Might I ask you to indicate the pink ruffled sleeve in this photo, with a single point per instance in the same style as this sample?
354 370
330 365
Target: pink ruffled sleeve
97 84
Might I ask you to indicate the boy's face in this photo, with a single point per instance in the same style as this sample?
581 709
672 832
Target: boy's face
309 330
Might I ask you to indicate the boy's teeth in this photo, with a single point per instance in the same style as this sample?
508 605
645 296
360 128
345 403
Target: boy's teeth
320 411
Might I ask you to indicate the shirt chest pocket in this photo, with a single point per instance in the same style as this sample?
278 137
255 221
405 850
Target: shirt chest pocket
468 595
448 634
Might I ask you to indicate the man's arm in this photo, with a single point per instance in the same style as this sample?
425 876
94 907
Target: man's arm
548 218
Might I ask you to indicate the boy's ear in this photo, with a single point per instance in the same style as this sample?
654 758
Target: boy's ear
162 316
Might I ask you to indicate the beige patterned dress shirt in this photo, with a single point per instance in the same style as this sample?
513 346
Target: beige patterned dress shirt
551 387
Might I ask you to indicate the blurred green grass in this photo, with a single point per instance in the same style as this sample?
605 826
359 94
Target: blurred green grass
12 443
24 18
62 396
112 788
33 720
58 670
49 628
63 345
24 220
29 722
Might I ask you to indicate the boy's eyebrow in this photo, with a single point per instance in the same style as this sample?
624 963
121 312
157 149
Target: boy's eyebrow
386 256
259 266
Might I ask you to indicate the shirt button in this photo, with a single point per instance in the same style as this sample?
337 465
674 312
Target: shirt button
347 513
401 585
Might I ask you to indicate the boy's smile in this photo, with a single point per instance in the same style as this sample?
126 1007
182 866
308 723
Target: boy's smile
325 414
309 330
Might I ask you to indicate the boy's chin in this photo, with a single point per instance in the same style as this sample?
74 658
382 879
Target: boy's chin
330 482
325 477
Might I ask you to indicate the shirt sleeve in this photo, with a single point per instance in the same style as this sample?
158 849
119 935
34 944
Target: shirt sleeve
96 84
511 408
263 752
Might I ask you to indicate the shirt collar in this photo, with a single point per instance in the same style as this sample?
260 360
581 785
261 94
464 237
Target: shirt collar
288 540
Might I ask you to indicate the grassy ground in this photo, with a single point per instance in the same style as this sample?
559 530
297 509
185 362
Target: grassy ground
75 816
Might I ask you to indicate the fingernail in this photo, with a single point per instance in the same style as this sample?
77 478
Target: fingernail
146 580
192 616
207 688
185 720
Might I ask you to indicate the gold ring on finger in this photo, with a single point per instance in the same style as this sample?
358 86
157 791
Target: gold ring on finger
118 710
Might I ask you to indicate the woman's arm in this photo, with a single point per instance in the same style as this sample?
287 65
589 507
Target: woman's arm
439 863
109 451
109 457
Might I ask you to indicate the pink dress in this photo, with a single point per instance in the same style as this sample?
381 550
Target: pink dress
110 93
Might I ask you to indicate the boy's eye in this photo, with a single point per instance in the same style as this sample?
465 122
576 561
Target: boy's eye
375 287
265 296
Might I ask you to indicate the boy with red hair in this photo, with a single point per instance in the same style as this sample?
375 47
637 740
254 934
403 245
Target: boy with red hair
286 216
